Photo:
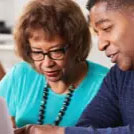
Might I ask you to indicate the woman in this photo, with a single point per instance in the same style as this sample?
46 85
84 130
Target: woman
53 37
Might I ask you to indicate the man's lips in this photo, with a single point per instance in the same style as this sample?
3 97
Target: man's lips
113 57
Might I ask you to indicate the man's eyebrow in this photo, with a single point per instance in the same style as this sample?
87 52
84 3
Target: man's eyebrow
99 22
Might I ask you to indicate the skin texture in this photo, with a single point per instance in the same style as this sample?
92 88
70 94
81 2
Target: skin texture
114 28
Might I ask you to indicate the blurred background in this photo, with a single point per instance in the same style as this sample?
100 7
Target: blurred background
9 12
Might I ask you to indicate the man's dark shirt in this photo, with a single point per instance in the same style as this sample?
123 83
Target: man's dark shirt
112 110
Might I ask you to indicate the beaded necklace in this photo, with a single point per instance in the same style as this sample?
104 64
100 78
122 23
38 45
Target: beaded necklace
62 110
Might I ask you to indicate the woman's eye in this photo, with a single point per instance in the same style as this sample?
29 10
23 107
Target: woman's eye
37 52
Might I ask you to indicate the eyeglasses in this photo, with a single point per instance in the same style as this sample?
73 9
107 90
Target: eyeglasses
57 54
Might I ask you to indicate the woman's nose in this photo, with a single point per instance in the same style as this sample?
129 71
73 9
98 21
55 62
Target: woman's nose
48 62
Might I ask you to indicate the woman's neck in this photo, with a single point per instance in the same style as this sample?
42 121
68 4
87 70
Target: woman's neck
80 73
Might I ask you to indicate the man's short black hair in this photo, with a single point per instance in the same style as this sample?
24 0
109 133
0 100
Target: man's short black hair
111 4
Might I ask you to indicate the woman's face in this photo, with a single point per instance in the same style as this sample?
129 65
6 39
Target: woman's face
54 70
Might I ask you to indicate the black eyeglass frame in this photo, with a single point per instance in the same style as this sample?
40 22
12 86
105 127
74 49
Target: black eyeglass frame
64 49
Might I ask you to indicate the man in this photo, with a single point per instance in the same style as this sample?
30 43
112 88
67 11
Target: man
112 110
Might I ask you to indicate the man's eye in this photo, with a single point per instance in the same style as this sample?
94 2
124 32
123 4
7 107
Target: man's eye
107 29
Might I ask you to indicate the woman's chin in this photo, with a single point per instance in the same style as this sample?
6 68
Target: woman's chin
53 79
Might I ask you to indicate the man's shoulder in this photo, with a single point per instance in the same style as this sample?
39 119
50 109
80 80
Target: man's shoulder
116 70
118 77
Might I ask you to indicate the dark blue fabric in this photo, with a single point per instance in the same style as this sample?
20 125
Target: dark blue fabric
112 110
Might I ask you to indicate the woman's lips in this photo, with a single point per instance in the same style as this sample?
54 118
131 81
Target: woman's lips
52 73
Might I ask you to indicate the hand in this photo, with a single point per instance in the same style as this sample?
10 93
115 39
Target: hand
22 130
40 129
46 129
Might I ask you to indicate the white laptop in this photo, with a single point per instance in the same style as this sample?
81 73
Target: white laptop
5 122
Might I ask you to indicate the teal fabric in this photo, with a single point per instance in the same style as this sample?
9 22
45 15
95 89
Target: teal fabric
23 87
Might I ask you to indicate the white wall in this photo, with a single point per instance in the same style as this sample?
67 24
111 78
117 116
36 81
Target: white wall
7 11
10 9
18 7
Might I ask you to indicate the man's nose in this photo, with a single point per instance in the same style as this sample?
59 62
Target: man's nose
103 43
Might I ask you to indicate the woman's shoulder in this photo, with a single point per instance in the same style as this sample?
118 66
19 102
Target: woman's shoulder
23 65
97 68
23 68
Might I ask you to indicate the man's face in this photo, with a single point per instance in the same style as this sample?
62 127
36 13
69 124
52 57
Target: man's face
115 31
